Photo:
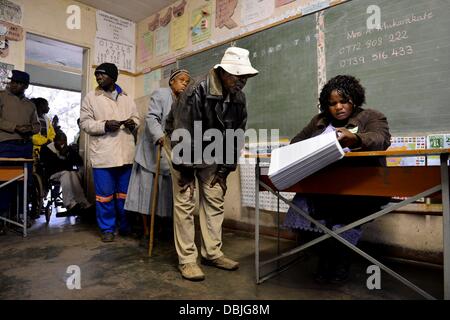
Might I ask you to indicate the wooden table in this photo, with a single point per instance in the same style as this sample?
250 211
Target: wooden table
15 169
410 182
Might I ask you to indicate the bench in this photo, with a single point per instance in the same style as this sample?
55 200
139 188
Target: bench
411 182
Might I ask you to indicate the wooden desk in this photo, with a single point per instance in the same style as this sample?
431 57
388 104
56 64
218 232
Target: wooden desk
14 169
411 182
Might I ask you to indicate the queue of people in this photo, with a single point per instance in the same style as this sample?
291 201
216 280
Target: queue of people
124 173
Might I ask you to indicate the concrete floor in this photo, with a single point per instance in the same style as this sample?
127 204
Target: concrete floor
35 268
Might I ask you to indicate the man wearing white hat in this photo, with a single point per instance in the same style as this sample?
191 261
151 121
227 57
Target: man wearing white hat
216 102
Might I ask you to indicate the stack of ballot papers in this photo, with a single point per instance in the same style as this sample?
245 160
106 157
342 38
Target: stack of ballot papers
291 164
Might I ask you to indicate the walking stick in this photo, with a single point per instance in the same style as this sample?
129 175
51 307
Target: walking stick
154 200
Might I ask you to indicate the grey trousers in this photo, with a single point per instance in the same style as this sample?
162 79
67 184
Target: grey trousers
72 190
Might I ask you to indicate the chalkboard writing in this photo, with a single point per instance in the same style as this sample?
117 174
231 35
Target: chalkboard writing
284 94
404 65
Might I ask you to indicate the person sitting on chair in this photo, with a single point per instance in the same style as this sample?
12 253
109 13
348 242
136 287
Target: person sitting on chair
61 163
357 129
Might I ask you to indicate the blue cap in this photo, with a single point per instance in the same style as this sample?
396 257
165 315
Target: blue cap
20 76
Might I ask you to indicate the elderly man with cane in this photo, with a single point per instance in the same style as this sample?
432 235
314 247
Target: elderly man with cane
216 103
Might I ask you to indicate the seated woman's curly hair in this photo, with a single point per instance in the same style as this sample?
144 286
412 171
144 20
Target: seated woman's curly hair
348 86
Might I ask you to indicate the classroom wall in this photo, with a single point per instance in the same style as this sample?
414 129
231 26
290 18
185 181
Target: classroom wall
409 234
218 35
48 18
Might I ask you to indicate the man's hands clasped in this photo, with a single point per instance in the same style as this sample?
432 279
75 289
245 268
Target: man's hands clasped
114 125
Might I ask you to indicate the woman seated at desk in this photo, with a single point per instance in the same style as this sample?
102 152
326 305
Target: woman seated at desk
357 129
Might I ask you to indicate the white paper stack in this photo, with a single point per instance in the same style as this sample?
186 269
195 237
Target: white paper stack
291 164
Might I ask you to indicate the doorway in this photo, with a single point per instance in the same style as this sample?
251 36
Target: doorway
55 70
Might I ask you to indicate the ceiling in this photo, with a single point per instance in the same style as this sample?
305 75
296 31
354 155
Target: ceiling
134 10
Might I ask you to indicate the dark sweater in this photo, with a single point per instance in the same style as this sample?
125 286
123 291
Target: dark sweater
53 163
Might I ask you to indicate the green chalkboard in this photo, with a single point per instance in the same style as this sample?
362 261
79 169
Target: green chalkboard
284 94
200 63
404 66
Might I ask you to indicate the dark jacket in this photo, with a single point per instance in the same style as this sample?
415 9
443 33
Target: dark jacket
53 163
373 132
203 101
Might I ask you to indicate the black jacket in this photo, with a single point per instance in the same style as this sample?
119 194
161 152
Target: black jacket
52 163
372 130
203 102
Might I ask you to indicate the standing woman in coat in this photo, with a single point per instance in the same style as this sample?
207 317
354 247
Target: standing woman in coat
144 167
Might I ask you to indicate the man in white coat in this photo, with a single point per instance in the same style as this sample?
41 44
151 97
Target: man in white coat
110 118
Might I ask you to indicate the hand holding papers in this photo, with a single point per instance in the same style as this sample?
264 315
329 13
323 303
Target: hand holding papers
290 164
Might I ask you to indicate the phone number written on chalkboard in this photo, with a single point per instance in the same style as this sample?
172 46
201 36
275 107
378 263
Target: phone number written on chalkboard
354 54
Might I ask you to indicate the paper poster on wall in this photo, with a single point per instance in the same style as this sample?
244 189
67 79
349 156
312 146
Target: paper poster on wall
121 54
162 41
11 31
267 201
279 3
146 46
315 6
115 41
403 144
179 32
4 47
224 12
11 12
437 141
115 28
256 10
5 72
201 24
151 81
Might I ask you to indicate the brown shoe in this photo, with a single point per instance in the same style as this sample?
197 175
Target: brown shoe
222 263
191 271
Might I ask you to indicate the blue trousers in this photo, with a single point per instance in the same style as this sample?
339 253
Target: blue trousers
15 149
111 185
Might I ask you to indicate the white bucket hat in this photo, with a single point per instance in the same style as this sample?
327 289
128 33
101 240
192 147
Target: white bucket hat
236 61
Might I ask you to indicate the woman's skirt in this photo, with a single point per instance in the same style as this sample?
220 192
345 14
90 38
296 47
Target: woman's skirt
139 194
332 211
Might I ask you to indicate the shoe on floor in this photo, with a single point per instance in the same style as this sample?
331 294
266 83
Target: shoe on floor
191 271
222 263
108 237
74 211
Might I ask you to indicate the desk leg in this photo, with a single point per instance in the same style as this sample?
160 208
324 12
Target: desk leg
25 202
257 221
446 224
